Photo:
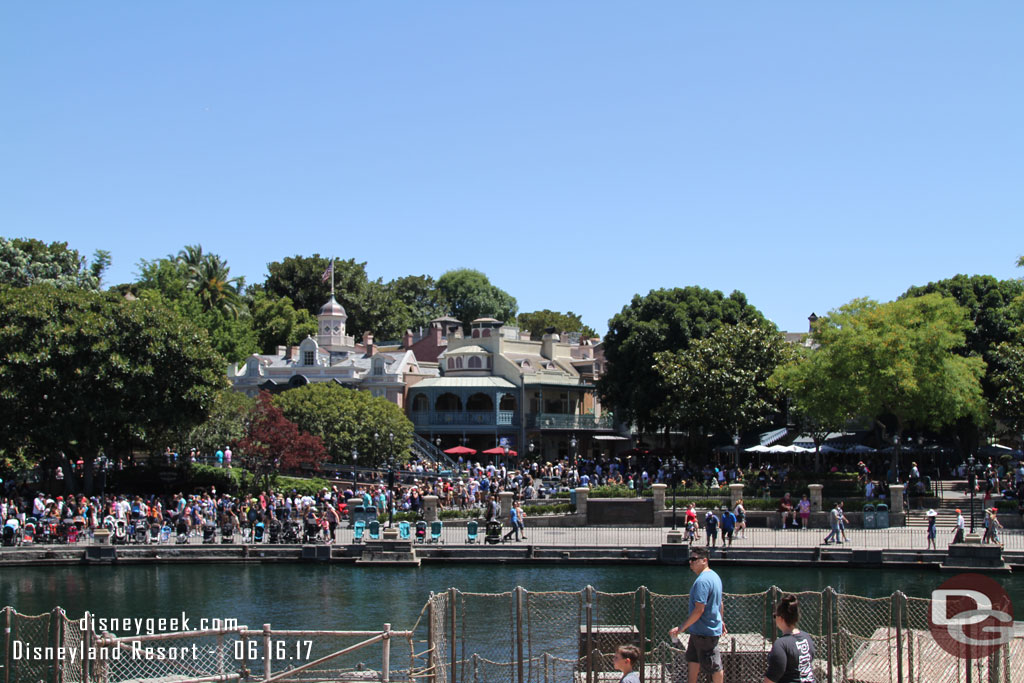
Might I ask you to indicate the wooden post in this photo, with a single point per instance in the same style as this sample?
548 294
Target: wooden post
898 598
589 659
385 672
432 661
642 631
267 653
452 593
828 598
518 597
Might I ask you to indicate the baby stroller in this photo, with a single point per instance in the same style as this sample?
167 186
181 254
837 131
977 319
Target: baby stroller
154 533
120 533
258 533
292 531
29 534
246 535
227 533
492 533
209 533
421 531
691 532
70 532
141 533
12 535
275 531
311 533
181 529
165 533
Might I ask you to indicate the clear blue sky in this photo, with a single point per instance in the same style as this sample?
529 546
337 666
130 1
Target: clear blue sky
805 153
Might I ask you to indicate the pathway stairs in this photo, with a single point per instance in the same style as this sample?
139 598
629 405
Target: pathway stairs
424 449
953 495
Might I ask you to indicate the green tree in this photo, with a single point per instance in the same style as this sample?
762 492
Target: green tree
25 262
820 400
720 382
300 278
216 290
663 320
469 295
1008 379
225 425
900 360
990 308
539 321
347 419
278 323
171 281
418 299
82 372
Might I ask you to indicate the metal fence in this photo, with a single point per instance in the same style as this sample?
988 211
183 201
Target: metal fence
51 648
514 637
527 637
895 538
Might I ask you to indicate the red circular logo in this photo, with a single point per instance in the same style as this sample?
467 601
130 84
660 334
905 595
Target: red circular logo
970 616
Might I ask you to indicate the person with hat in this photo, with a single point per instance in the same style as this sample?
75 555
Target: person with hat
958 530
994 526
932 516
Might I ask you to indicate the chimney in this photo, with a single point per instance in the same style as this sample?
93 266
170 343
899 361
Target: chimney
407 339
811 319
368 343
547 343
282 351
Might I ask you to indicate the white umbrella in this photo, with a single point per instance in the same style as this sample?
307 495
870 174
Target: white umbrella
759 449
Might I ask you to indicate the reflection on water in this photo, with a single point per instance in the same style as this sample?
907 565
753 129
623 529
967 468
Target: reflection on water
293 596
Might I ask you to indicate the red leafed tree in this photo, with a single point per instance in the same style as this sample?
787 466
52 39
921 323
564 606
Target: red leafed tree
273 443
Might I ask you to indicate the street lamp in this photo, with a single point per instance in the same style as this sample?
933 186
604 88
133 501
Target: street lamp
736 447
355 461
972 482
505 448
391 476
674 464
575 457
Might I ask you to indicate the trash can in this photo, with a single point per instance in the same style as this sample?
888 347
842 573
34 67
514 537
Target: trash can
882 516
572 497
870 521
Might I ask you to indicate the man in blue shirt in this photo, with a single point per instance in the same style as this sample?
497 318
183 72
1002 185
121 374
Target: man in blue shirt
705 621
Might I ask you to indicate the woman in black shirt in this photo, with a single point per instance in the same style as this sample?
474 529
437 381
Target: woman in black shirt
791 659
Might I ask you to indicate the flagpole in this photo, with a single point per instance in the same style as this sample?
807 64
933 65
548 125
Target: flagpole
332 277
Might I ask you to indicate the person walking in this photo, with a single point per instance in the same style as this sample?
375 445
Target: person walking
728 525
932 517
711 528
833 520
791 659
705 621
513 518
741 518
958 530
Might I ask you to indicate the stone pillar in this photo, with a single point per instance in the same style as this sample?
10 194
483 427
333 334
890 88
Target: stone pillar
505 499
896 499
815 497
429 509
581 501
735 494
659 496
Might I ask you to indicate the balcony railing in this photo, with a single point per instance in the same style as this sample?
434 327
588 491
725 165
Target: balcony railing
464 418
581 422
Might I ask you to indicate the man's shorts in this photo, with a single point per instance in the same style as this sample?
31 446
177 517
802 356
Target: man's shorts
704 649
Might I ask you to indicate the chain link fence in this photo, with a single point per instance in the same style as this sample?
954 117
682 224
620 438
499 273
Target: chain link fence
518 636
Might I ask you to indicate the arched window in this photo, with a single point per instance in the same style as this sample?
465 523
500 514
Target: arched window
479 403
451 363
487 332
507 402
458 363
420 402
474 363
448 403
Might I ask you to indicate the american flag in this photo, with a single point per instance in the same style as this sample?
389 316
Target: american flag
328 272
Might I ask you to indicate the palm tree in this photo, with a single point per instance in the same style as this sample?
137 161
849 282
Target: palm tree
210 279
191 255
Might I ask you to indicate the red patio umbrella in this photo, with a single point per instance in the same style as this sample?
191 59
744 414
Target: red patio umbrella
460 450
498 451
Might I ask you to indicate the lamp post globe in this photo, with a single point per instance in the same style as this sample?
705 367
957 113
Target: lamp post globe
736 448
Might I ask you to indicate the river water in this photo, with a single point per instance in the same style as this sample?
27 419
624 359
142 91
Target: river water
346 597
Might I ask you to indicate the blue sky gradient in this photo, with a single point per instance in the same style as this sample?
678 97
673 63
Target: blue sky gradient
805 153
